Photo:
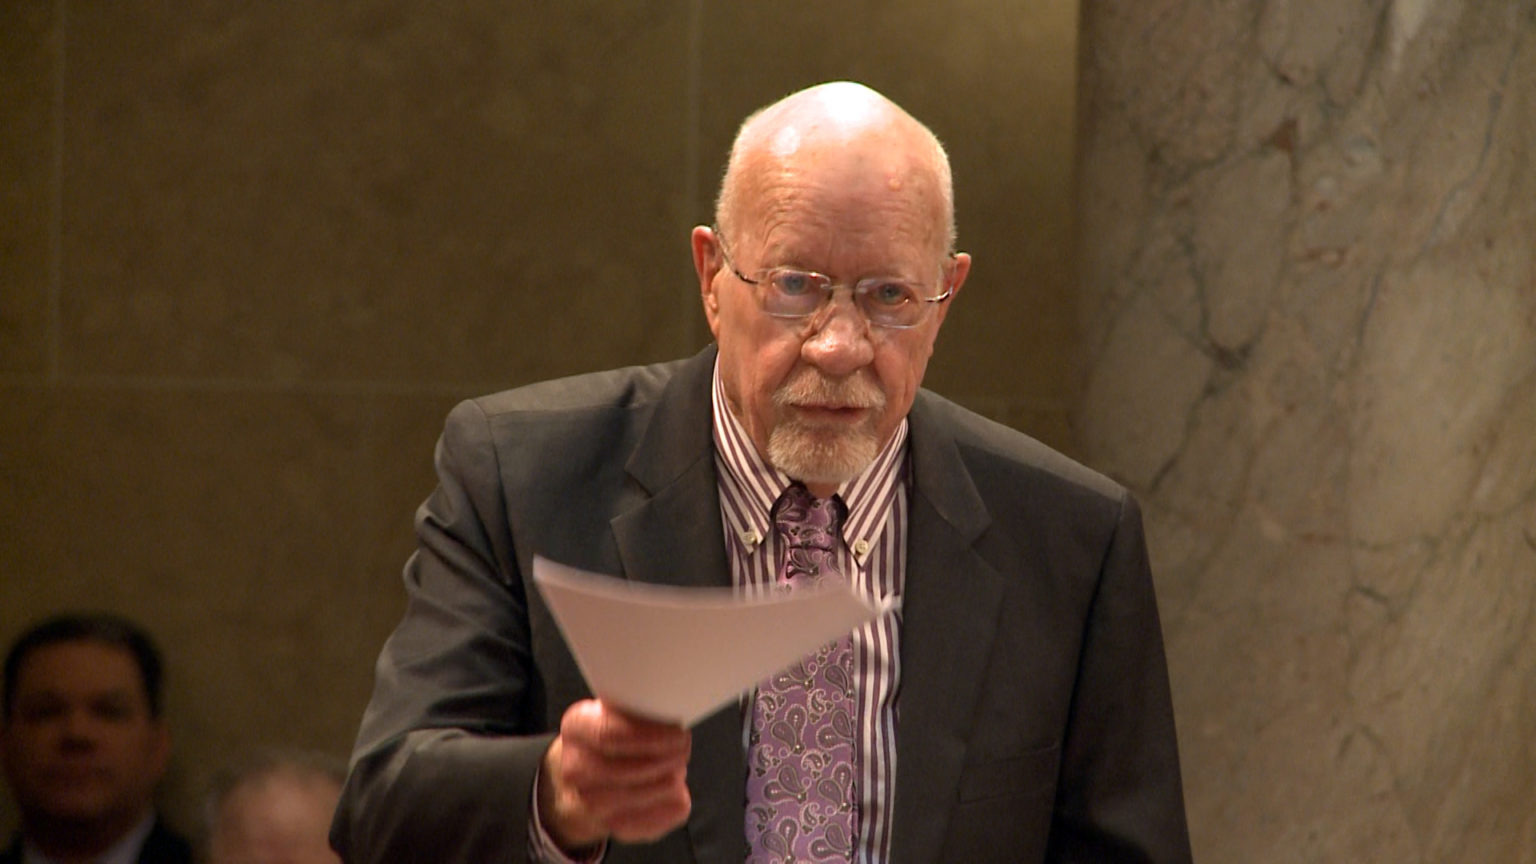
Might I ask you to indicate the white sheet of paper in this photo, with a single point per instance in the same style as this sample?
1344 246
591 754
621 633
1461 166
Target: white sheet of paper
676 654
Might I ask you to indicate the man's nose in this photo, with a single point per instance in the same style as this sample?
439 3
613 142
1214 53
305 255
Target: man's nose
79 730
841 342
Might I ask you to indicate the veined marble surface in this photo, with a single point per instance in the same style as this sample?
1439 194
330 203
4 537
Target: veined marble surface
1310 317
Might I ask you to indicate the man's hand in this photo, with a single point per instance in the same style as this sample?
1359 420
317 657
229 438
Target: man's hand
609 774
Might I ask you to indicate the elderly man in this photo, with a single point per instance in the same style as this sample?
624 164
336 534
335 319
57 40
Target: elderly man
1015 709
84 745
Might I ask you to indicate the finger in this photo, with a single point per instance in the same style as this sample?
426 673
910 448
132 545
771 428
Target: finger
618 733
608 797
597 727
595 773
646 825
638 812
584 768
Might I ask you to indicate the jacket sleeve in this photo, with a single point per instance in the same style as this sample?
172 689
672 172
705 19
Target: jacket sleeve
445 760
1121 798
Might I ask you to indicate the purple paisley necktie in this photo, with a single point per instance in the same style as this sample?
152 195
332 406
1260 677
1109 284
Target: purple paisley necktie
800 787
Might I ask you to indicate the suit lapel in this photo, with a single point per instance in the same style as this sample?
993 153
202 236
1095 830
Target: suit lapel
949 617
670 530
672 534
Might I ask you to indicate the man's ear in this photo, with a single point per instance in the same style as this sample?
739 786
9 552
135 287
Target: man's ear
707 263
959 267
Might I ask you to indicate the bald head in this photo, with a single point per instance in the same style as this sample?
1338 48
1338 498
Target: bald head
274 809
842 133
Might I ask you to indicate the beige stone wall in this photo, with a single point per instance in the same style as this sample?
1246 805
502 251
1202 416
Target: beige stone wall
1309 320
251 253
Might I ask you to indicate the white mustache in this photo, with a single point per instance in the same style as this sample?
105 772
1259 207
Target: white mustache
810 388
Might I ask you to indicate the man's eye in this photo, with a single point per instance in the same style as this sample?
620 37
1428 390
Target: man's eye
113 710
793 283
40 712
891 293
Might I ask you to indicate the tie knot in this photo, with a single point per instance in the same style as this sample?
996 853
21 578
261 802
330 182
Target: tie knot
807 521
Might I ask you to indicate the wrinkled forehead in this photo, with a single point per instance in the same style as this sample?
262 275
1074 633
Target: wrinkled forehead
869 185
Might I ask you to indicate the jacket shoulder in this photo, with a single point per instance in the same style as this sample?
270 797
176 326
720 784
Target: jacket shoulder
574 436
627 387
994 449
984 437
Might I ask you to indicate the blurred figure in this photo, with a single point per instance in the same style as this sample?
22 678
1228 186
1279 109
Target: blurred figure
84 745
275 809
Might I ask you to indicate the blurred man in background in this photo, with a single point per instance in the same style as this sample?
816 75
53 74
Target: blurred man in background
275 809
84 744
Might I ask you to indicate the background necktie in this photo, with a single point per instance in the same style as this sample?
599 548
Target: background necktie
800 778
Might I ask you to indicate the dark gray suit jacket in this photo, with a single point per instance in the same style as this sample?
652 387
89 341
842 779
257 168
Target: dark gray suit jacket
161 846
1034 715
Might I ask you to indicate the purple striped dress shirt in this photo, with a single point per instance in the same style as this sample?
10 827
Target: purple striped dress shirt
873 555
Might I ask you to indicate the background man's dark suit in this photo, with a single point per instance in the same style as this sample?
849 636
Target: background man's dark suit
1034 714
162 846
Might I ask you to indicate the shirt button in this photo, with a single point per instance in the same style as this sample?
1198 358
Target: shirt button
861 548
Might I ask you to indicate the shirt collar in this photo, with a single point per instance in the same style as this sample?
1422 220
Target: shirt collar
748 479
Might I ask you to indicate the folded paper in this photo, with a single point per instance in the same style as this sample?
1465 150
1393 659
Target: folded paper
677 654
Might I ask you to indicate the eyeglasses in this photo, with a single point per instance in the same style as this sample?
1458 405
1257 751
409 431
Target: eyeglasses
785 292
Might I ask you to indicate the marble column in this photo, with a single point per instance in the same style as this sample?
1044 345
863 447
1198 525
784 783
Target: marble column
1309 323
